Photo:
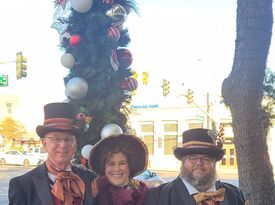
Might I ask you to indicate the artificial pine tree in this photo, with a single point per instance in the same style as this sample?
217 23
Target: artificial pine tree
94 37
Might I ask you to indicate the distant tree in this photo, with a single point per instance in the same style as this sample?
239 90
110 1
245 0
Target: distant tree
243 91
12 129
269 98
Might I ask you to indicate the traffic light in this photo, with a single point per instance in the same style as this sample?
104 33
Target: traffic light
165 87
145 77
190 96
21 67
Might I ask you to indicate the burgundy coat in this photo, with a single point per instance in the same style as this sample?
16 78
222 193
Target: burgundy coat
113 195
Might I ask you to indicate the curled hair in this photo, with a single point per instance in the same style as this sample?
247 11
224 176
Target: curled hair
123 147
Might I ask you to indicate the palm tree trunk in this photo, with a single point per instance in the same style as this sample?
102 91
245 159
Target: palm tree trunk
243 92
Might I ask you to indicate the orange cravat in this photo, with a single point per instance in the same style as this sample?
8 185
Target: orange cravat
209 197
67 185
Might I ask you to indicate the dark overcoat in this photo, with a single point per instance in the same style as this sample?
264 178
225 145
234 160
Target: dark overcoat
33 188
176 193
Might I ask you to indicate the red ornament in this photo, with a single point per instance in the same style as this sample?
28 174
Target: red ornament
75 40
124 58
129 84
113 33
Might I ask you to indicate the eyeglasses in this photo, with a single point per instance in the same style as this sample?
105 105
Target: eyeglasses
193 159
58 140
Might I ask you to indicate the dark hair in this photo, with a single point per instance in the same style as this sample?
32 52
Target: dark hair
121 147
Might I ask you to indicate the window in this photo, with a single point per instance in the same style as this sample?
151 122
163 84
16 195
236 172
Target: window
147 128
149 141
170 142
170 127
170 137
195 125
147 133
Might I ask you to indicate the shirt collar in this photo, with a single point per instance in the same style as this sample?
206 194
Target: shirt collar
52 177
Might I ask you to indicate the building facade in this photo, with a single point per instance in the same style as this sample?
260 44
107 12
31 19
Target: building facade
161 127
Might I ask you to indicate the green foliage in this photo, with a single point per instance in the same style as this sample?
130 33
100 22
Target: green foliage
269 98
12 129
106 102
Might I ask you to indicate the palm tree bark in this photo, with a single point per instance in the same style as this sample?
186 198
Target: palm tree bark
242 91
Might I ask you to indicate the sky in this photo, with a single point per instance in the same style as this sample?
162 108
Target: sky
188 42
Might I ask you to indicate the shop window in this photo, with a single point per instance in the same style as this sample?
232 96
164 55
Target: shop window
149 141
195 125
170 129
170 142
147 127
147 133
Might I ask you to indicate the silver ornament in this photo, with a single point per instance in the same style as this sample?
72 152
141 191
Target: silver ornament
110 129
76 88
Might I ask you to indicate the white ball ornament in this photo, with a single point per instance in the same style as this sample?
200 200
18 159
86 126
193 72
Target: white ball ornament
76 88
68 60
85 151
82 6
110 129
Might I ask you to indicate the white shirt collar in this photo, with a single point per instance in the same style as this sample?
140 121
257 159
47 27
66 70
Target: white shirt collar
53 177
192 190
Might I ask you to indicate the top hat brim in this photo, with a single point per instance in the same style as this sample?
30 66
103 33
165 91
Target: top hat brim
139 159
217 154
41 130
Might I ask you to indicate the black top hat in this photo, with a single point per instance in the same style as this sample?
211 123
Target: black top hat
59 117
137 153
199 141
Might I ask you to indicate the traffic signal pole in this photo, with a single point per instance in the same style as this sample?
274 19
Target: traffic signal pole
21 69
5 62
190 100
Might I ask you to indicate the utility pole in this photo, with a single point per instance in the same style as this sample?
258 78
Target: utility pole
208 121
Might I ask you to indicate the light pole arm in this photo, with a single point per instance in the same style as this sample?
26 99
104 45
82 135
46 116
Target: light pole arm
204 111
5 62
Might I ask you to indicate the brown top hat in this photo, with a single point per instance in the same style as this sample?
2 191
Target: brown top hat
58 117
136 153
199 141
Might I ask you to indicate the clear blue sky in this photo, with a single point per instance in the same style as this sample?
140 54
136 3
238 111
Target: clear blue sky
193 37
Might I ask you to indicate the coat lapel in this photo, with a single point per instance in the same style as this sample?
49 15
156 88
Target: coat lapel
84 176
42 186
183 192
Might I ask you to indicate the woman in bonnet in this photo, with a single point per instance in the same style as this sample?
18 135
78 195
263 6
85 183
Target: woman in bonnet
116 160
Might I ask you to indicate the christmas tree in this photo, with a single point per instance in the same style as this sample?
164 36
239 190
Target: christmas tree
94 38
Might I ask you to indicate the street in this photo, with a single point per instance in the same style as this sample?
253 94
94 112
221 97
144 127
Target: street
8 172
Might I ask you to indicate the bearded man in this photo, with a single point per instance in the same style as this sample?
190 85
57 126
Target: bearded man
196 183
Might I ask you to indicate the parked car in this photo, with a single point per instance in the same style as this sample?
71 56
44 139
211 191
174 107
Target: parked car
40 152
151 179
15 157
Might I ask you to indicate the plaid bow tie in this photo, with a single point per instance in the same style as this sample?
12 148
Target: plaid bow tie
209 197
